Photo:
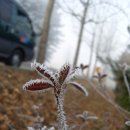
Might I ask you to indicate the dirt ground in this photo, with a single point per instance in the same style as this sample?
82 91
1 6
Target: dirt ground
18 108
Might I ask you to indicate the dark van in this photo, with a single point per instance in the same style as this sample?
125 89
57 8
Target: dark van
16 34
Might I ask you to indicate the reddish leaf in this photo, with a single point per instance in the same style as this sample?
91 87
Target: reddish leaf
37 85
42 70
79 87
63 73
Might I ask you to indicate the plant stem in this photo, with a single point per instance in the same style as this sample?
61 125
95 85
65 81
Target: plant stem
60 112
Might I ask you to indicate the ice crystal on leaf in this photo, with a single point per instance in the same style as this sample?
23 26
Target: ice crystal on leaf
37 85
63 74
43 71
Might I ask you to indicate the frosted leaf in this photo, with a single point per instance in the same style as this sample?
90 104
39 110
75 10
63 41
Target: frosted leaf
52 128
44 128
92 118
87 116
30 128
76 72
83 115
43 71
63 73
79 87
127 123
37 85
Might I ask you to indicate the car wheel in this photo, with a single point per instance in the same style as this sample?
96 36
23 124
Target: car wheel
16 58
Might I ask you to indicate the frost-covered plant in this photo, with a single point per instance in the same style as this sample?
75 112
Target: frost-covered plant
38 125
86 116
58 81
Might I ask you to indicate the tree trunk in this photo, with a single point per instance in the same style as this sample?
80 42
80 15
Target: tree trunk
45 31
82 24
91 55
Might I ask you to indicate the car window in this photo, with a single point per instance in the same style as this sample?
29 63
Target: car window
22 26
6 10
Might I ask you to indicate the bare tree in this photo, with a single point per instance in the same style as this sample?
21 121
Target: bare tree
91 53
55 35
84 18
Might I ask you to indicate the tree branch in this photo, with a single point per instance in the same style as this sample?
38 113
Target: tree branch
69 11
85 3
94 21
110 4
82 2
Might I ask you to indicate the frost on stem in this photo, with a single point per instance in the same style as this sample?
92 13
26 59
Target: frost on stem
61 118
58 81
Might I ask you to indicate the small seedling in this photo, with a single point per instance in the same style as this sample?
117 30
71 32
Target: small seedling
57 81
100 76
86 116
